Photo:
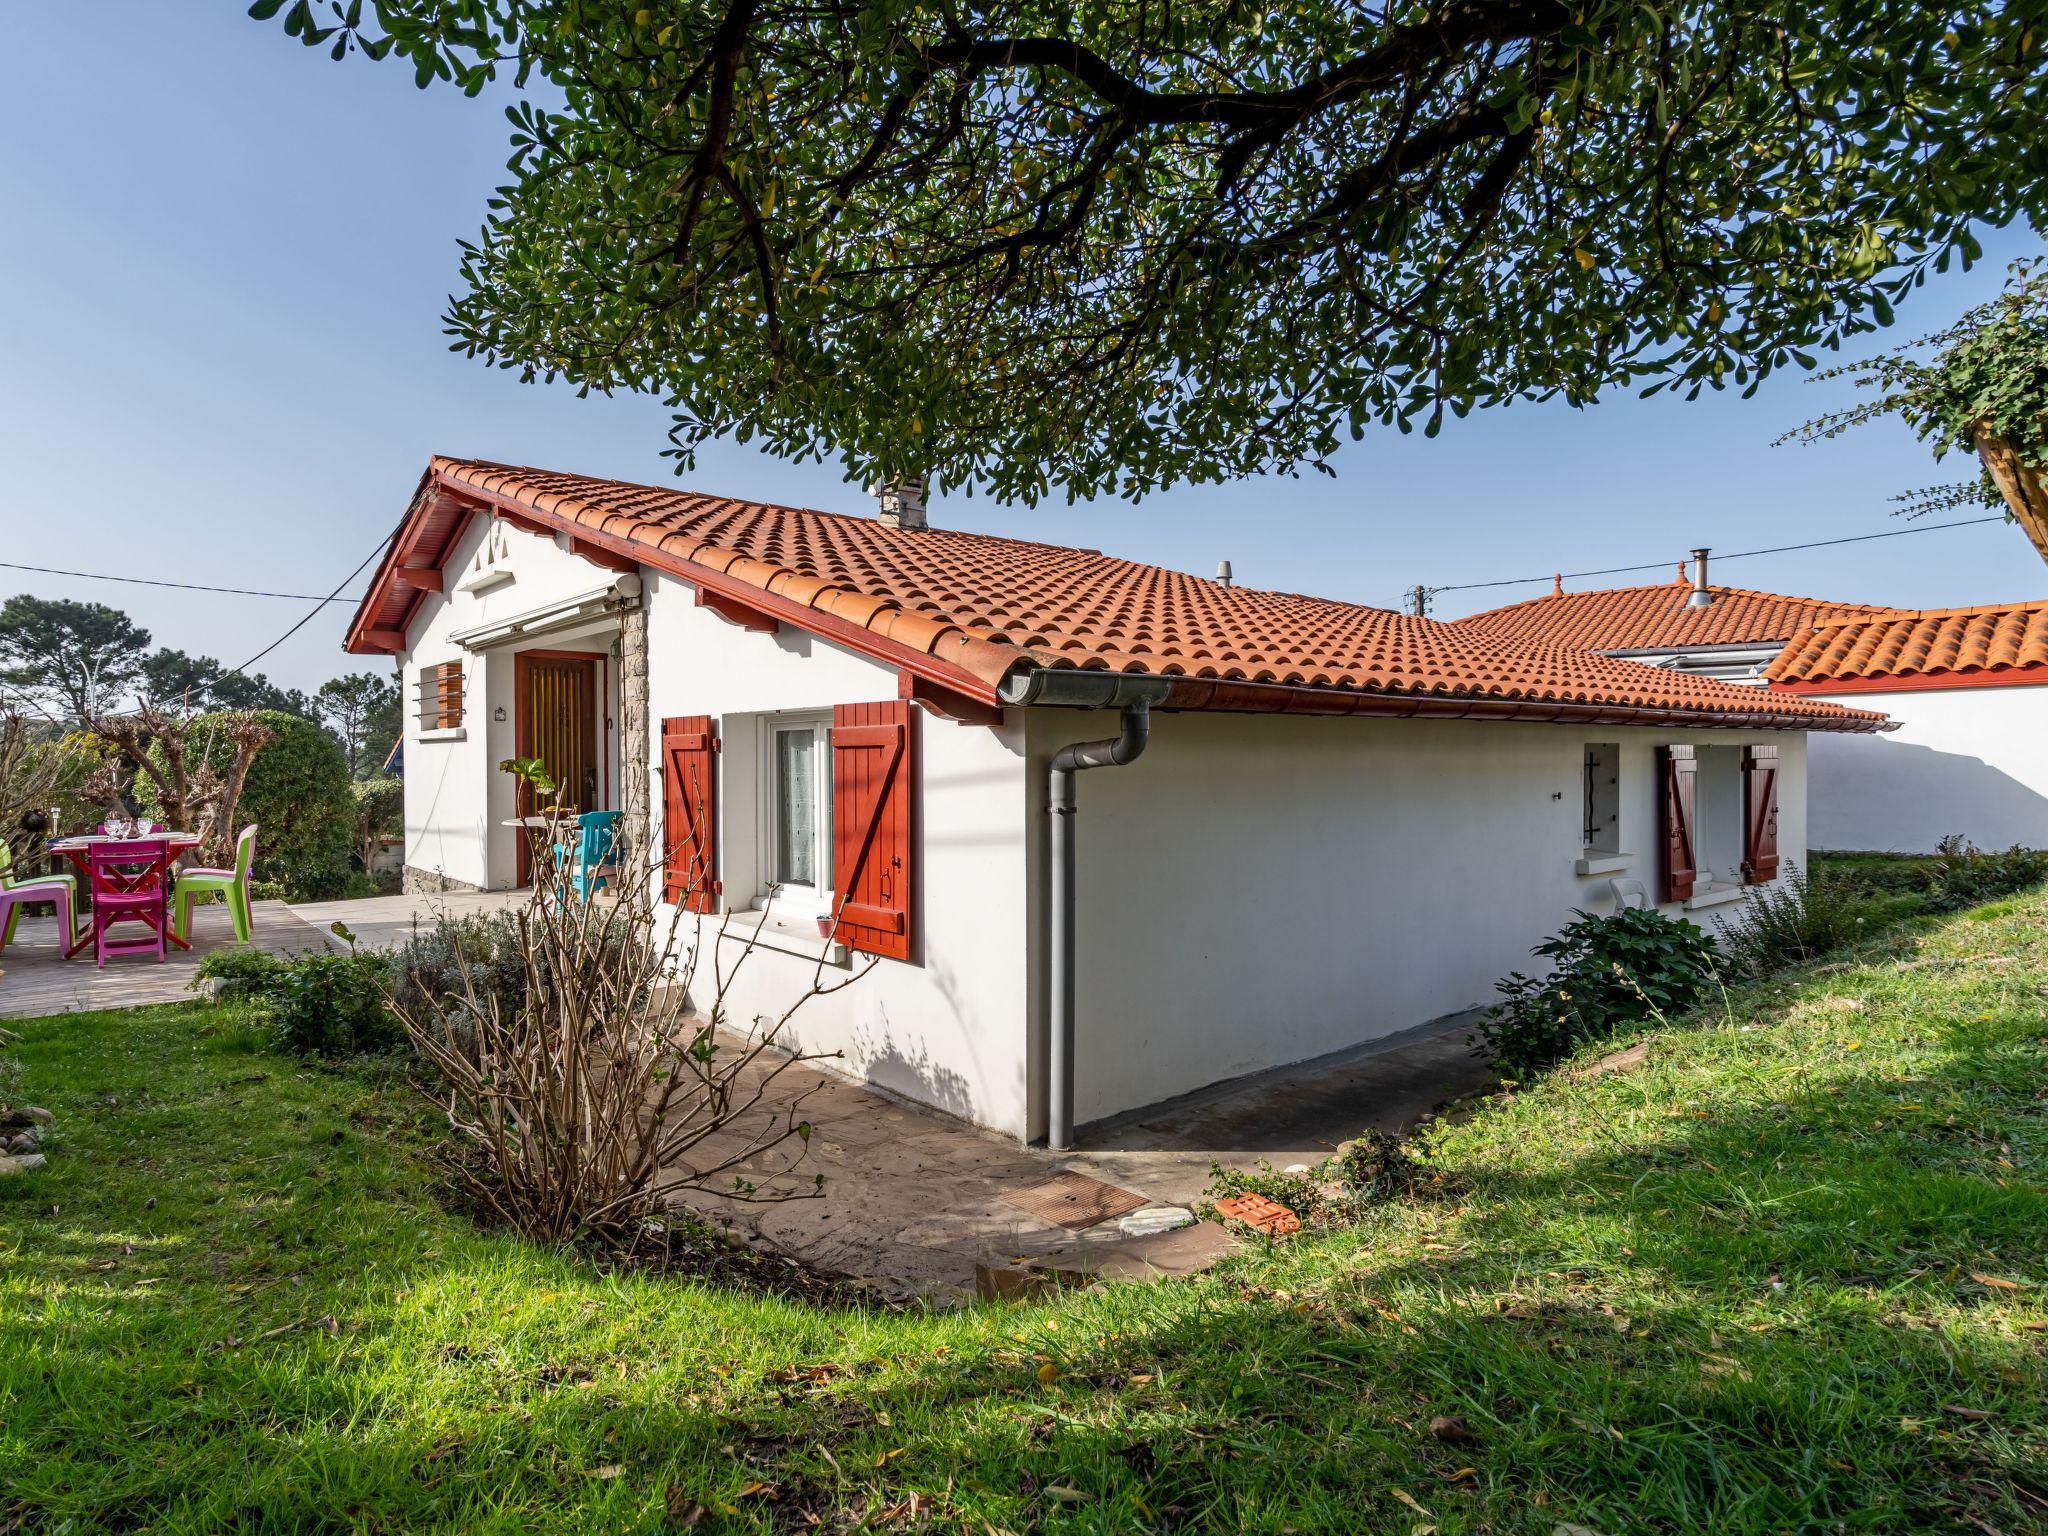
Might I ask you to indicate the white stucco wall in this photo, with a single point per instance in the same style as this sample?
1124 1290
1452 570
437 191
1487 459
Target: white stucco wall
1968 760
455 798
1260 890
947 1027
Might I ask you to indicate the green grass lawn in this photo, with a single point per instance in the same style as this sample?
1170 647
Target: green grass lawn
1788 1276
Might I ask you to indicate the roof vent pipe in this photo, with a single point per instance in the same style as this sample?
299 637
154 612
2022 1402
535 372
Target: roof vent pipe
1702 594
900 503
1223 572
1074 688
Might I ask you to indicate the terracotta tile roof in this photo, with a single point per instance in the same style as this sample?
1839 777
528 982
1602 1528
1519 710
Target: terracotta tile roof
1995 638
1657 618
964 610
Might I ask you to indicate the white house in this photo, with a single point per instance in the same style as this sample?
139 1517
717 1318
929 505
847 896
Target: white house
1969 754
1969 688
1114 832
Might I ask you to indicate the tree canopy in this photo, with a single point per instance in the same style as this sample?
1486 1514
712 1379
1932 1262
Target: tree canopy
1104 246
67 660
175 680
1981 386
362 710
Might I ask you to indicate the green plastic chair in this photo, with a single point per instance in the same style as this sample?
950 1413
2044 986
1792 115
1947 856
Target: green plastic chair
9 880
231 883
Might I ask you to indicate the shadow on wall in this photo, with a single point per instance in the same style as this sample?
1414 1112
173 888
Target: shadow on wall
911 1072
1899 797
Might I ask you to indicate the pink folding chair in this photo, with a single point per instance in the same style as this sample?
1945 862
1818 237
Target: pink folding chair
130 884
15 899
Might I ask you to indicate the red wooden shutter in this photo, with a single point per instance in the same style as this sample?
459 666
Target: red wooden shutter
1759 815
689 805
1679 772
874 776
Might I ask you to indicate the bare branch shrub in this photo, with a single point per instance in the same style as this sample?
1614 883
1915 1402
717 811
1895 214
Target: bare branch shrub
607 1086
38 771
190 795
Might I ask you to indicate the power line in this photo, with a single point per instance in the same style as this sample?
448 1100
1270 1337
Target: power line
1743 554
146 581
333 596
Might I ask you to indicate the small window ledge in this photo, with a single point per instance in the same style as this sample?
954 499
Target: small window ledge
786 934
1718 896
1603 863
445 733
485 578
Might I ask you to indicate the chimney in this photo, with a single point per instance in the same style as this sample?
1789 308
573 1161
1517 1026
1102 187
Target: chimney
1223 573
1702 595
900 503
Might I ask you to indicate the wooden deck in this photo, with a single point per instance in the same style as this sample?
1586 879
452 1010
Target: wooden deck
35 978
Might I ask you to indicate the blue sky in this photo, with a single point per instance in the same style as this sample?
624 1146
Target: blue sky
223 281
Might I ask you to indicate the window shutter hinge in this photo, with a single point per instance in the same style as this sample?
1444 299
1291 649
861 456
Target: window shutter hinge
718 743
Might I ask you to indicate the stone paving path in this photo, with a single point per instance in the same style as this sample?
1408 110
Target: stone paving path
913 1199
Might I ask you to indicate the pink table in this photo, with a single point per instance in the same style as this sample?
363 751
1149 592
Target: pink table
79 850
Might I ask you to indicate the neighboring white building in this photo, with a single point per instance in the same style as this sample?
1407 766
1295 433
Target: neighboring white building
1969 755
1969 688
1330 822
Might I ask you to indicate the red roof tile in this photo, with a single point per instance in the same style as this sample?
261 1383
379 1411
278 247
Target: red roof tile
967 609
1994 638
1657 618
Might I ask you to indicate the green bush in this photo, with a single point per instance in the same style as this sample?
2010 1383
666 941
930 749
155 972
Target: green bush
328 1004
429 965
298 794
1877 874
320 1002
1797 918
1607 973
246 971
1966 876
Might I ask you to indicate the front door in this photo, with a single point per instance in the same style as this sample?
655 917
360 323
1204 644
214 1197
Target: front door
558 723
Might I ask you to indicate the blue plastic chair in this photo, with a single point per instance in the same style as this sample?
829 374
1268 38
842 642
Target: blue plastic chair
586 863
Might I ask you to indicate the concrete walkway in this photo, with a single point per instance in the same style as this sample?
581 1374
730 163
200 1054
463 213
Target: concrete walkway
913 1199
379 922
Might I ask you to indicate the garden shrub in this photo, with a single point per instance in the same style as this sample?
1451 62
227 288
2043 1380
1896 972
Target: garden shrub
1877 874
1797 918
328 1004
297 792
1966 876
320 1002
247 972
1607 973
430 966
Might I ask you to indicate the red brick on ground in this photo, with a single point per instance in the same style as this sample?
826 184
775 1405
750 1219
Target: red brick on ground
1260 1214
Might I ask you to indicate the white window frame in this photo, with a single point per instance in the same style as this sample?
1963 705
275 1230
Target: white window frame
795 900
1717 833
1600 849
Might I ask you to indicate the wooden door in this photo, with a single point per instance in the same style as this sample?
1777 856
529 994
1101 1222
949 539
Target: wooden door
558 725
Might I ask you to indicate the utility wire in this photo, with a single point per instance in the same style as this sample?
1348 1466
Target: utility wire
1743 554
184 586
334 596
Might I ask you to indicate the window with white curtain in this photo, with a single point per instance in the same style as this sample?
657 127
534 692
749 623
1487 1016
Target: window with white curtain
796 804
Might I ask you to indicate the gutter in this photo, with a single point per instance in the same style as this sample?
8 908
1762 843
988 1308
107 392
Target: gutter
1257 698
1069 688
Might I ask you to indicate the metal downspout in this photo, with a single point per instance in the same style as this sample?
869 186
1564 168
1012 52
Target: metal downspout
1085 690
